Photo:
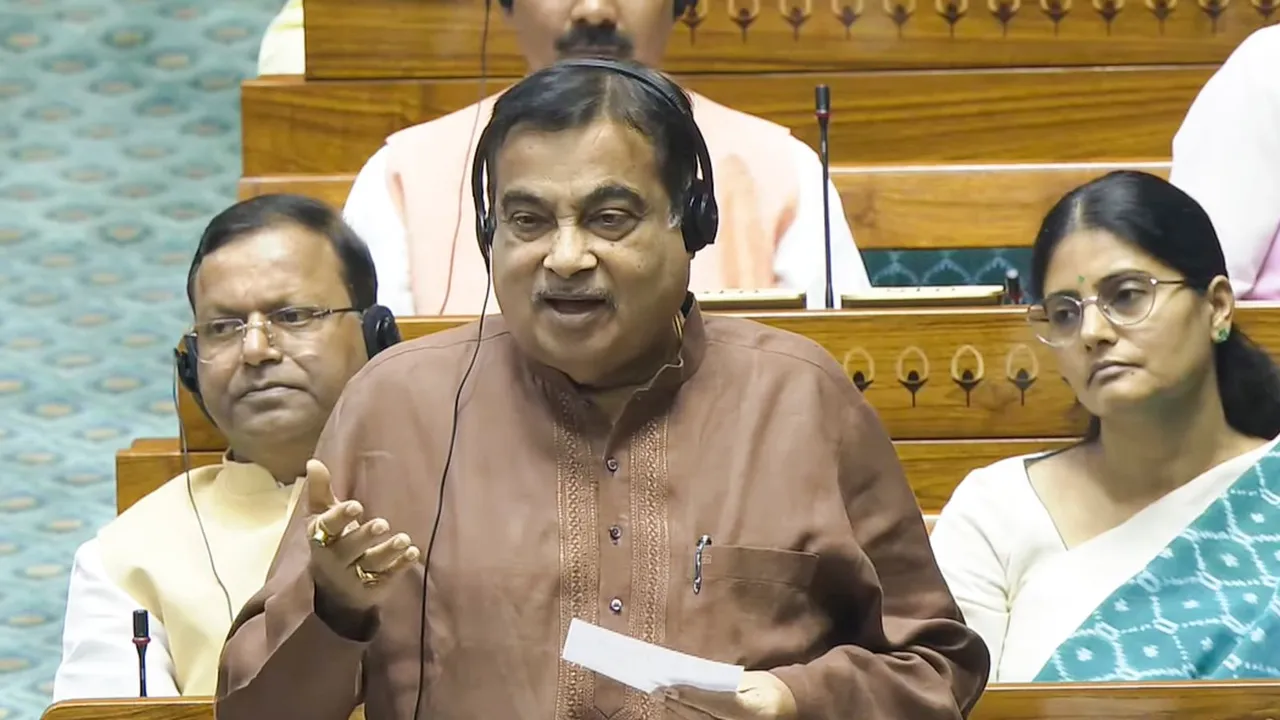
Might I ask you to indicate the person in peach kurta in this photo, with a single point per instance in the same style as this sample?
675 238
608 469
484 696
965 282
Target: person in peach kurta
411 202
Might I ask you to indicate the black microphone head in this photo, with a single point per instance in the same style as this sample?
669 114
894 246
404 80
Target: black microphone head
141 624
822 100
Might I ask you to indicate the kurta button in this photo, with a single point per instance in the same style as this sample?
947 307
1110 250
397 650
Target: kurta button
615 605
615 533
612 464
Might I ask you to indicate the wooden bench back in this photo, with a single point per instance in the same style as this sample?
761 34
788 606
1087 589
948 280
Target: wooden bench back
923 207
933 467
294 126
938 374
442 39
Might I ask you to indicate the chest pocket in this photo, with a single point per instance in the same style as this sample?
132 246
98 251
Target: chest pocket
759 565
755 604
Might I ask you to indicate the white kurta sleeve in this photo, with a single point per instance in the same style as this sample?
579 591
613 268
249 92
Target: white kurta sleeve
98 655
1226 155
801 260
371 213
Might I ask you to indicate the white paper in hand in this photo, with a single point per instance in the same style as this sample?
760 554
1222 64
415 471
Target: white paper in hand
644 666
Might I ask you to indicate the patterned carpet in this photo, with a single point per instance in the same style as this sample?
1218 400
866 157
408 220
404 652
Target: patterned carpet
119 138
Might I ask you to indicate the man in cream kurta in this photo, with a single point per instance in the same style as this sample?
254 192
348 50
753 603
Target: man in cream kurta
194 550
1226 155
411 201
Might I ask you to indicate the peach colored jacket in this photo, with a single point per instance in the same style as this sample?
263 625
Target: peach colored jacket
756 189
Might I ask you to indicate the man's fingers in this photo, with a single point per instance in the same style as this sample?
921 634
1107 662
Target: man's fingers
358 539
713 704
319 489
384 555
340 519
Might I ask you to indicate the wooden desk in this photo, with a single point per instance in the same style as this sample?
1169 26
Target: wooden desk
1118 701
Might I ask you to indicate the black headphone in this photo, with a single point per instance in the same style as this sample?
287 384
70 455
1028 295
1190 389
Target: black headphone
681 6
377 324
701 215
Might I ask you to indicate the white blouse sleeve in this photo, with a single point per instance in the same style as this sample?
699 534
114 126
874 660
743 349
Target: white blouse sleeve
966 544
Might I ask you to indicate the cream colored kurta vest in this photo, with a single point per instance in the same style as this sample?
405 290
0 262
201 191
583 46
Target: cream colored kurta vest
155 552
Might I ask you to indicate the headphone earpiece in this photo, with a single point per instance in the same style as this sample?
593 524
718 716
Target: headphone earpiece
185 364
701 218
378 324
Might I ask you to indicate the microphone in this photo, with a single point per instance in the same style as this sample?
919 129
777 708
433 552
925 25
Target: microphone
141 638
822 101
1012 288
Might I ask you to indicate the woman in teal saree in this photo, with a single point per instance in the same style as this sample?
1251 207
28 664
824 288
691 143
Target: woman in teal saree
1151 549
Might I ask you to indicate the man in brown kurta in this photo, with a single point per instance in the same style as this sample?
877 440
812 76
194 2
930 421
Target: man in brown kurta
605 428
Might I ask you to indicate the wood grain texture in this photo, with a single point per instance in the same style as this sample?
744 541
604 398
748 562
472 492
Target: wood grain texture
1226 700
442 38
930 207
933 467
894 350
293 126
187 708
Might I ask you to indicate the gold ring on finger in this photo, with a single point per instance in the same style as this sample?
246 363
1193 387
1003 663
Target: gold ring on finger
320 537
367 578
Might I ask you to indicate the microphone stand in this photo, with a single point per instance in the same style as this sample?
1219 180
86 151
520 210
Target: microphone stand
822 101
141 639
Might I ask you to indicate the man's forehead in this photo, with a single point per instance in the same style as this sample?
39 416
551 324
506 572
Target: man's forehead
601 158
271 261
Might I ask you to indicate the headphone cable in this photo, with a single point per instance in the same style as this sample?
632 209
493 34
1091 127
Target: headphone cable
457 399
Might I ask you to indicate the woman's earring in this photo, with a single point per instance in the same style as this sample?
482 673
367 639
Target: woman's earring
1223 334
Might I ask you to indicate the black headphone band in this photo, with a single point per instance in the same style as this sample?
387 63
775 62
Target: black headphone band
699 216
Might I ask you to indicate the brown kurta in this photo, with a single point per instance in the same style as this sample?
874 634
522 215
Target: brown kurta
819 569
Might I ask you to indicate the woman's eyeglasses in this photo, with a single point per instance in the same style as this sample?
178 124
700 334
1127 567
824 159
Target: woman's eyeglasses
1123 300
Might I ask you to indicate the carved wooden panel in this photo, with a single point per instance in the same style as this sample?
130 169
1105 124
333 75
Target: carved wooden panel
942 374
442 38
889 208
293 126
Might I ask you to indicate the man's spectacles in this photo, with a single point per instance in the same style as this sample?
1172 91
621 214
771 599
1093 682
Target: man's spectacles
1123 300
217 338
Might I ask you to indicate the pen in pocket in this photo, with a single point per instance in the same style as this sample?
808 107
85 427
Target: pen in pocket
703 542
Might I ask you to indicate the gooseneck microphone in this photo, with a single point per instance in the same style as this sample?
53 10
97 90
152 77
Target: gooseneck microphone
141 638
822 100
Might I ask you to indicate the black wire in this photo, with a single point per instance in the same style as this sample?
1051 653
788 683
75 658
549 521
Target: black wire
457 399
186 471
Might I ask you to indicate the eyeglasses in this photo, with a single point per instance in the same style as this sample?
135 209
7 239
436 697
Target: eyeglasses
1123 300
217 338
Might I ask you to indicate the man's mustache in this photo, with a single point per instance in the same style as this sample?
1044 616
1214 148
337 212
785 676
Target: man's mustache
595 39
